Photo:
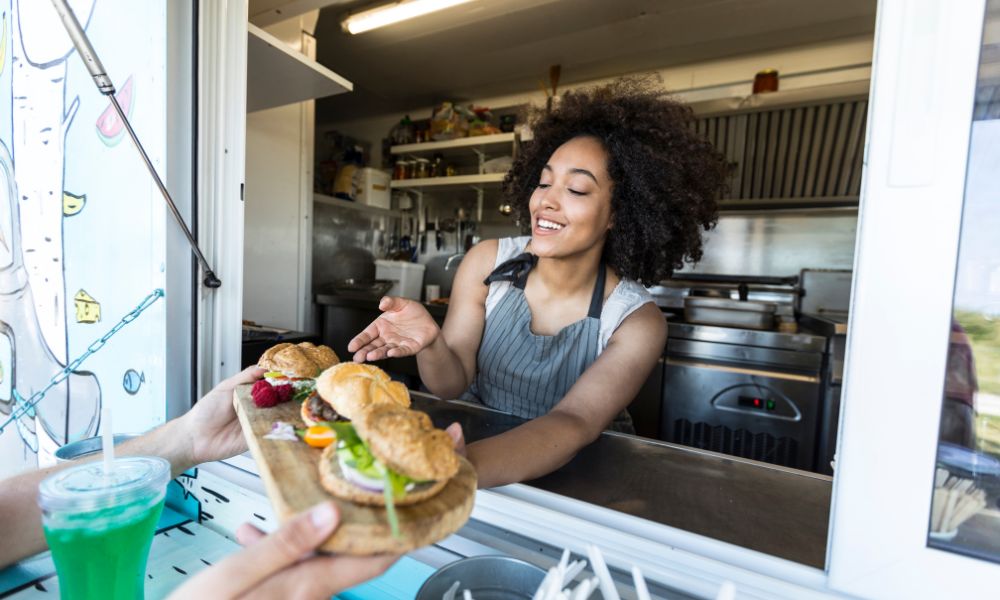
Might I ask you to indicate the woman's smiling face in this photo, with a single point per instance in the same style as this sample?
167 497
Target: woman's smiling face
571 207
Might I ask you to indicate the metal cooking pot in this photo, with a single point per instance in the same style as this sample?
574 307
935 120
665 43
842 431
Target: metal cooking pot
88 446
486 577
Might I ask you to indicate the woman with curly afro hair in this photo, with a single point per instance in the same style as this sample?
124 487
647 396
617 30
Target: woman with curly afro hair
556 326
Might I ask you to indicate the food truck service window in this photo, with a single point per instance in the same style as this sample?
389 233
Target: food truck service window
965 515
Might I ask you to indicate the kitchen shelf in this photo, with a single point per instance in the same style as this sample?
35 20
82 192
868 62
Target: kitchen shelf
365 208
822 94
454 182
278 75
457 146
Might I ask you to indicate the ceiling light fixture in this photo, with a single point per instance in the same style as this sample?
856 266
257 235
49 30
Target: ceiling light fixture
388 14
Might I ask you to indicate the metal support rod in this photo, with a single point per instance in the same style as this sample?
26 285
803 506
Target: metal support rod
106 87
210 279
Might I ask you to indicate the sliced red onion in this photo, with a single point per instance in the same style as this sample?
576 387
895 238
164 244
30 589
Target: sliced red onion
282 431
367 483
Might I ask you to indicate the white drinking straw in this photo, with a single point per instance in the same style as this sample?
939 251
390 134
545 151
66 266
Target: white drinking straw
107 440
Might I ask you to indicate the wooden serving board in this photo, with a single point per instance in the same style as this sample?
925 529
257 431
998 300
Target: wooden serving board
291 477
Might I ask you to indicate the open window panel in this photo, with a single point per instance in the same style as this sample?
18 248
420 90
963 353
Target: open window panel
915 500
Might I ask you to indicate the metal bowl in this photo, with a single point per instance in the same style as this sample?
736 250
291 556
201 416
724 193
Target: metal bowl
487 577
88 446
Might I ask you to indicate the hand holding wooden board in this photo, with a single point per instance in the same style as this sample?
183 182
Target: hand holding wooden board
290 473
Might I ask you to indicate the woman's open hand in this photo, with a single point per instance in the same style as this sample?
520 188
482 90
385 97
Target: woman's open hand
403 329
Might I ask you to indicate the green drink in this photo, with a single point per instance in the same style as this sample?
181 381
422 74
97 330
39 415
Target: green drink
100 526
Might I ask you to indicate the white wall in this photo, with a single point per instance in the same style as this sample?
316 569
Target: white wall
278 202
800 67
79 214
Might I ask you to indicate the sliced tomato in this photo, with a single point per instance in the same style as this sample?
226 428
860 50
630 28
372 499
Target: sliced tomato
319 436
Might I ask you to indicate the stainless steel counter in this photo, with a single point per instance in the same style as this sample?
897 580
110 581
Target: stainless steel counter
799 342
779 511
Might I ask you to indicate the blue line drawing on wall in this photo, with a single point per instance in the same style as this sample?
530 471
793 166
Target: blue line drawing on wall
25 358
132 381
32 278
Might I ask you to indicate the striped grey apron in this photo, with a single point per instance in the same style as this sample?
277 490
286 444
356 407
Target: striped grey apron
525 374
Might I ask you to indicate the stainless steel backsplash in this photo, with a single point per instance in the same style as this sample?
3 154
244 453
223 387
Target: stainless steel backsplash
346 242
779 243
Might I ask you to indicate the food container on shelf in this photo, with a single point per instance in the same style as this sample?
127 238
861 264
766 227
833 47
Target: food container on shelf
372 187
422 168
765 81
407 277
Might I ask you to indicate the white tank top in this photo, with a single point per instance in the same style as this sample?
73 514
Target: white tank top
627 296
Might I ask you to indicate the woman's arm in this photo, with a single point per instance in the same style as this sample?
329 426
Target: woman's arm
448 366
605 388
446 357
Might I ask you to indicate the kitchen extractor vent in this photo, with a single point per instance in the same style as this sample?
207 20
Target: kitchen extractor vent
808 153
782 451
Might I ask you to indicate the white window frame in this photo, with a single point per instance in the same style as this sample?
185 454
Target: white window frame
222 81
923 84
180 179
920 114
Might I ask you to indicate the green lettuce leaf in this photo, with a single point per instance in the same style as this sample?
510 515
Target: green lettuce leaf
355 454
390 504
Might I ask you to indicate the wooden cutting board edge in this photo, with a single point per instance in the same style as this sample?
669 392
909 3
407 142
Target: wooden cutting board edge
353 537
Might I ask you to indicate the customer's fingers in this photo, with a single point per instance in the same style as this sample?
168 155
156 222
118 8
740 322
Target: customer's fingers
248 535
321 577
286 546
247 375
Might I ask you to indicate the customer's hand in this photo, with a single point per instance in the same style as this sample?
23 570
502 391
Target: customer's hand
403 329
212 424
283 565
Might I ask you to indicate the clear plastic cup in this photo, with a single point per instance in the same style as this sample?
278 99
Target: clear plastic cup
100 526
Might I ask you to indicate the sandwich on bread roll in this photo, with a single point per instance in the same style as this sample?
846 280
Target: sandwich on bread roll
296 362
389 455
298 365
350 389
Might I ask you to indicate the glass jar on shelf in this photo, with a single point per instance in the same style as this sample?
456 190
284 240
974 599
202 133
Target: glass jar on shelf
421 168
437 165
399 170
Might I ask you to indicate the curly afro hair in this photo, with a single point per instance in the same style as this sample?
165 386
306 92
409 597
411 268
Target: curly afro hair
666 178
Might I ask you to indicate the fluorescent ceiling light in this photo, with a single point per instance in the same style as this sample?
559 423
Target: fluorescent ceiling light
388 14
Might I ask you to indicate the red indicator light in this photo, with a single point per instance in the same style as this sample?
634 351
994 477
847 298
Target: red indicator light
756 402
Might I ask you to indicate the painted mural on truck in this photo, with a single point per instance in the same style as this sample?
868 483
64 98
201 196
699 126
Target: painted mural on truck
81 225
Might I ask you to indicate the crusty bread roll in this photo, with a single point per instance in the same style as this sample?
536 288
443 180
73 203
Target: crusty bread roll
332 478
408 443
353 388
298 360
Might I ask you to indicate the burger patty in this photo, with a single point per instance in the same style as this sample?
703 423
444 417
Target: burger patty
322 411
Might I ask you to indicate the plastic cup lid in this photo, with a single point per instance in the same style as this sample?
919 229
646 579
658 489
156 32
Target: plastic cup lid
87 487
